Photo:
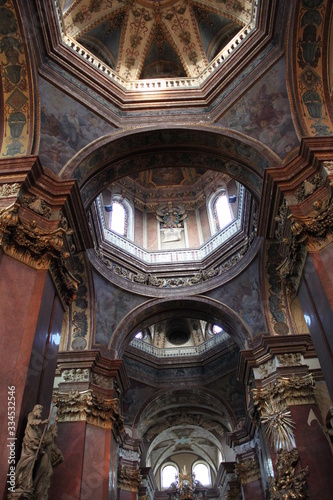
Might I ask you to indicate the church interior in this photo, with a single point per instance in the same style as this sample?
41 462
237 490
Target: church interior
166 249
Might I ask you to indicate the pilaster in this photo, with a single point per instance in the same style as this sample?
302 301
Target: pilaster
42 224
88 396
281 375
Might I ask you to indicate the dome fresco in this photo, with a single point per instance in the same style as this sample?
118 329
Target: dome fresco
142 39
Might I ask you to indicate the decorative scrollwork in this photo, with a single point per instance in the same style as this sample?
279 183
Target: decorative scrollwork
9 190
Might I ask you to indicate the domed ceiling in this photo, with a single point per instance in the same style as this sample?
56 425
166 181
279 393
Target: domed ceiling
143 39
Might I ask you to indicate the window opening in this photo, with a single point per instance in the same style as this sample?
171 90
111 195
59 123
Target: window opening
169 475
222 212
119 218
202 474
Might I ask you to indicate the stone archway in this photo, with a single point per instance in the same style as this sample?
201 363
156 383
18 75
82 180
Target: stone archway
117 155
199 307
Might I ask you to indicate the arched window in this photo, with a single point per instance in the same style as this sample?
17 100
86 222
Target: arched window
168 475
201 473
119 218
222 212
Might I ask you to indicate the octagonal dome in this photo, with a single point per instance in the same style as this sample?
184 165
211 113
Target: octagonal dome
156 39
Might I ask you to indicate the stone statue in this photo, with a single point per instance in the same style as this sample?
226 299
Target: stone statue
30 448
38 457
50 456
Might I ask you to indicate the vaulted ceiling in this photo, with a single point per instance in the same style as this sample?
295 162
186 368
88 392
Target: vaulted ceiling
155 38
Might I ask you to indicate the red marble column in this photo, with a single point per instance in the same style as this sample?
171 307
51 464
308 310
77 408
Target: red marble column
96 463
314 450
27 318
319 315
253 490
66 478
127 495
323 263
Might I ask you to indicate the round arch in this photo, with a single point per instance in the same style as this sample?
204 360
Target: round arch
198 307
124 153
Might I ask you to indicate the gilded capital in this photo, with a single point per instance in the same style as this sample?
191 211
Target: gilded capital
27 234
129 479
291 390
248 470
86 406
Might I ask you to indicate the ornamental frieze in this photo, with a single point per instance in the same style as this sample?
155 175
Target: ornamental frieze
9 190
76 375
267 368
289 359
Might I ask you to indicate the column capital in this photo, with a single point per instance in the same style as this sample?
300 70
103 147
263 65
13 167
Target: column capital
294 390
129 479
91 407
42 221
248 470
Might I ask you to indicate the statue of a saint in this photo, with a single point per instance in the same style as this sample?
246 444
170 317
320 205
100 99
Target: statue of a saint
50 456
30 447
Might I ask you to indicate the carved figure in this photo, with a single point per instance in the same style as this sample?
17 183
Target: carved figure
30 449
50 456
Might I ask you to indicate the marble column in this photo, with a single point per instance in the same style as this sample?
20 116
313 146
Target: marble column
88 393
36 286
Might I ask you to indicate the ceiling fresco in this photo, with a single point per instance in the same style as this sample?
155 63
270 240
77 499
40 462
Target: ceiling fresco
155 38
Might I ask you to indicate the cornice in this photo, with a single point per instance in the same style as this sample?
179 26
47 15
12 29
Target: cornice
283 181
99 363
269 347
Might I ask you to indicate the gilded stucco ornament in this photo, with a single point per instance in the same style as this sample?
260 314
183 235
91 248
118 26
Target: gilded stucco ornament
92 408
267 368
248 470
293 391
9 190
24 237
308 187
76 375
288 484
37 205
278 425
289 359
128 479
